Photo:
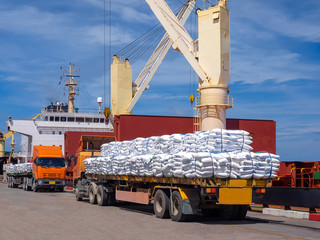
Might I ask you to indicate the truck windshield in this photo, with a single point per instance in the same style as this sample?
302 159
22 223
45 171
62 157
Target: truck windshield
51 162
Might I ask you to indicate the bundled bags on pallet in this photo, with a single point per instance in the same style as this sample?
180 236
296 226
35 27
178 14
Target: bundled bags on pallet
216 153
216 140
19 168
241 165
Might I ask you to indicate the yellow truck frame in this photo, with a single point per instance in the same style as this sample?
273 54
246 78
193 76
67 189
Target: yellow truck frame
177 198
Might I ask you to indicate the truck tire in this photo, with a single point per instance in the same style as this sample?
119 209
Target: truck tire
175 208
229 212
78 197
34 187
92 196
9 182
29 188
102 196
161 204
24 185
111 198
242 212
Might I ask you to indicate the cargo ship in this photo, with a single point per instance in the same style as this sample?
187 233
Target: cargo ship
50 126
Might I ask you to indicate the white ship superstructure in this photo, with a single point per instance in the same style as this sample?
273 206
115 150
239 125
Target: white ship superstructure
49 127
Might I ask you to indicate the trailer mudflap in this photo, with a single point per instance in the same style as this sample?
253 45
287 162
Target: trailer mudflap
190 201
235 196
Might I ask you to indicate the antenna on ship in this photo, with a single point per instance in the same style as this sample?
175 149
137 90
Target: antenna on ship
70 76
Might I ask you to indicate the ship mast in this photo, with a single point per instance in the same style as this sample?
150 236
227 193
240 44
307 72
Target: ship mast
70 76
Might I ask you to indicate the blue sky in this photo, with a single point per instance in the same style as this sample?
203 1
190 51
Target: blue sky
275 62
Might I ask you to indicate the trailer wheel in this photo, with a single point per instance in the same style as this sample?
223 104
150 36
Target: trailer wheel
102 196
111 198
29 188
24 185
161 204
228 212
92 196
175 208
242 212
9 182
78 197
34 187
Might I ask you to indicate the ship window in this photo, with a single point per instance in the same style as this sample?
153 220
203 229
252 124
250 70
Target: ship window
70 119
96 120
40 132
51 119
46 118
56 119
60 132
79 119
88 119
63 119
102 120
53 132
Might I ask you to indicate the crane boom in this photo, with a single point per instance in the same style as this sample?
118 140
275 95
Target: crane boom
146 74
177 33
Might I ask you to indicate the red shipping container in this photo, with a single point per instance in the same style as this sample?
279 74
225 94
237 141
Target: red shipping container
128 127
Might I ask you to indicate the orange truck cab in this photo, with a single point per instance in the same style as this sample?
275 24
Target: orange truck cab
89 146
48 168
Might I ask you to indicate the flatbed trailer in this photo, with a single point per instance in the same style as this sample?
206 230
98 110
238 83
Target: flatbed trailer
17 179
28 182
178 198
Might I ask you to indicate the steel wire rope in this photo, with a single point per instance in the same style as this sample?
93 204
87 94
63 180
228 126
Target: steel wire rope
143 44
87 96
145 48
125 49
132 48
109 54
56 93
104 52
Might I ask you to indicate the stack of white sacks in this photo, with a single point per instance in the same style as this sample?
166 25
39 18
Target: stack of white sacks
19 168
216 153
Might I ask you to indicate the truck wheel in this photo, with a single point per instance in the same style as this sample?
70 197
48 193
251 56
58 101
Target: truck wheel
242 212
29 188
229 212
78 198
34 187
102 196
111 198
9 182
161 204
92 196
175 208
24 186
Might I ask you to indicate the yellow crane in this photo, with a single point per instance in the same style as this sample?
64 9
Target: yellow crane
3 138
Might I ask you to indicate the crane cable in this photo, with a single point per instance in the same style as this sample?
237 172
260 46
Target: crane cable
110 41
106 88
140 46
104 52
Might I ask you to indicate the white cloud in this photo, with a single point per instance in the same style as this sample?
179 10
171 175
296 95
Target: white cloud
295 19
